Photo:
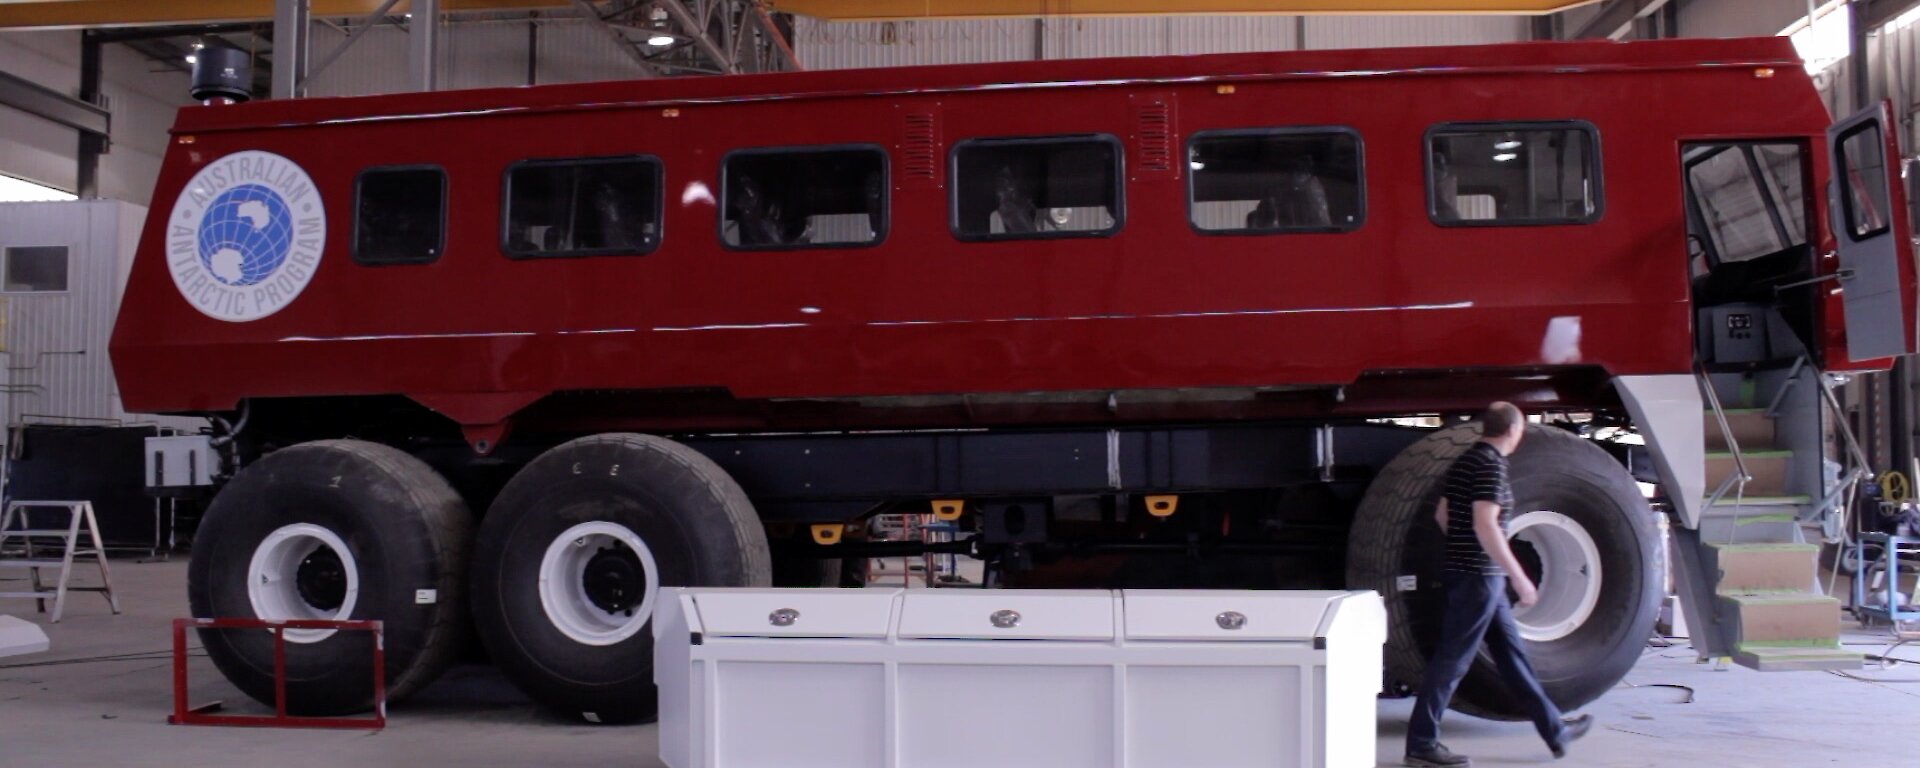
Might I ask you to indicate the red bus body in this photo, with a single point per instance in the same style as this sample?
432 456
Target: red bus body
1400 315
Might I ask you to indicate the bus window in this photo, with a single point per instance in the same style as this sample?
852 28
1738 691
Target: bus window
1749 197
583 207
1513 174
800 198
400 216
1279 180
1011 189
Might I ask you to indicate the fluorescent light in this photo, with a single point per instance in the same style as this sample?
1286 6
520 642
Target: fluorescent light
192 59
1508 144
1505 157
660 41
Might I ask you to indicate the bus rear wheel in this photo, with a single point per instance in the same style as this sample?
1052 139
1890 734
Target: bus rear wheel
573 554
337 529
1581 528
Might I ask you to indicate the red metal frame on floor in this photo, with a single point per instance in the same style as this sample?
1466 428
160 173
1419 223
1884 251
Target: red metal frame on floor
185 714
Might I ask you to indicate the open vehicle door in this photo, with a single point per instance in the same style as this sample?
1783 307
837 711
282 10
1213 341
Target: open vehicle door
1870 223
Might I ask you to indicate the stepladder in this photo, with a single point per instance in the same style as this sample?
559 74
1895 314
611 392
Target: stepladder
33 549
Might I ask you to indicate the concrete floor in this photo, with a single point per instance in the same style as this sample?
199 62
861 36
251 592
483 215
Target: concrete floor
113 713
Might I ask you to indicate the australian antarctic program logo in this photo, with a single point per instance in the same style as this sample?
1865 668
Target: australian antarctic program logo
246 236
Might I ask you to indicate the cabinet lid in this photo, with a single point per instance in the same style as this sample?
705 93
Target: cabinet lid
852 613
1227 615
1007 615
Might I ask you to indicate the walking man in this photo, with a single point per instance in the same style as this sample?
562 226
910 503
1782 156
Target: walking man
1476 503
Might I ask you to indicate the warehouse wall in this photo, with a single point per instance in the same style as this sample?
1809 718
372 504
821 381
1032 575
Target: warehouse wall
473 54
142 98
1739 18
842 45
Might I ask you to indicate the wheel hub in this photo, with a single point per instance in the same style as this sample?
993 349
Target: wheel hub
303 571
1563 560
614 580
598 581
322 580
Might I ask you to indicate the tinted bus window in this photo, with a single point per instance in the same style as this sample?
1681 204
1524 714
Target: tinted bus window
1010 189
1513 174
800 198
401 215
583 207
1270 181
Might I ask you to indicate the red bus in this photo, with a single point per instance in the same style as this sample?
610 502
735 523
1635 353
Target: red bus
509 360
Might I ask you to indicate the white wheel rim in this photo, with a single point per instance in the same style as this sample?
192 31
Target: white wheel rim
563 592
273 579
1570 575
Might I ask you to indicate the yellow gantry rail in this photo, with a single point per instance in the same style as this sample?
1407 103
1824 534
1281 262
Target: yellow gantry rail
51 14
850 10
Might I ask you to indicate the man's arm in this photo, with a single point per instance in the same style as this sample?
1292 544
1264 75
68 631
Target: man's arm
1486 526
1440 515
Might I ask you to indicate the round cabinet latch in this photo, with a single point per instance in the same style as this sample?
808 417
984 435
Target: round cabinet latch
1005 619
1231 620
784 617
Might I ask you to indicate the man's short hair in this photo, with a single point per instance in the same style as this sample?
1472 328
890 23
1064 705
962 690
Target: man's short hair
1499 419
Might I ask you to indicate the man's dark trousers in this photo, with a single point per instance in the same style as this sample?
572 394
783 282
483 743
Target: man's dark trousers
1477 608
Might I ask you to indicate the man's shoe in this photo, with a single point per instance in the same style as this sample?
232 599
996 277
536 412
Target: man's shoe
1436 756
1571 729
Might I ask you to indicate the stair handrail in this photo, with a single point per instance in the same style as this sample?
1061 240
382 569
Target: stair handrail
1740 476
1861 467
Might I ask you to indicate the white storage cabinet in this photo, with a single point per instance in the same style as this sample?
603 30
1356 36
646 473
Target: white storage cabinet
877 678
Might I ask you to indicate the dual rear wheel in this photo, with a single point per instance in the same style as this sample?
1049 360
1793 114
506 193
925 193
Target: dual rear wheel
565 572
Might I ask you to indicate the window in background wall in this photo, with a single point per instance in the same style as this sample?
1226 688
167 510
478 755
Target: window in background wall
35 269
14 190
1823 39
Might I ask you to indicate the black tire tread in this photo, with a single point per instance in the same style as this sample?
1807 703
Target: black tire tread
450 526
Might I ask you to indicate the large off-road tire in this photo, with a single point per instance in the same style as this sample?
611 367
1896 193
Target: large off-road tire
1577 512
573 553
337 529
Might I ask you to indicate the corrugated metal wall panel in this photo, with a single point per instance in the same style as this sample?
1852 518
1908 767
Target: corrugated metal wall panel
1232 34
573 51
1324 32
855 45
830 45
377 62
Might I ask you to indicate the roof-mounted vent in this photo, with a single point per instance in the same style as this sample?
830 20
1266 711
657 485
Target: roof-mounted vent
222 75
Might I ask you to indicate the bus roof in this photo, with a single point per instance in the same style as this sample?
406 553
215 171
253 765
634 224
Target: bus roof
1507 58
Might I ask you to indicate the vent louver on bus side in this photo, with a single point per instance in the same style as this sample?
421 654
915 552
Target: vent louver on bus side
1153 137
920 150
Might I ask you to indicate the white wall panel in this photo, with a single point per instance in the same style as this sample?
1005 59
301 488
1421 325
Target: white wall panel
56 357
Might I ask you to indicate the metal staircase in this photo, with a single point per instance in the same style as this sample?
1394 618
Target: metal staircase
1766 462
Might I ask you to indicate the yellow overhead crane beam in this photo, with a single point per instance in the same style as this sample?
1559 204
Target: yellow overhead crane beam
51 14
852 10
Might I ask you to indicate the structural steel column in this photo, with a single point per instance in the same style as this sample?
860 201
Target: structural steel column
292 37
92 145
423 46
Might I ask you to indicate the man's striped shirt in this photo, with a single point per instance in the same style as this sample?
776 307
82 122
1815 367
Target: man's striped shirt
1480 474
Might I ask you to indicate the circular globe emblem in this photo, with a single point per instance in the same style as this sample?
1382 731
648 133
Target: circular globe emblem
246 236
